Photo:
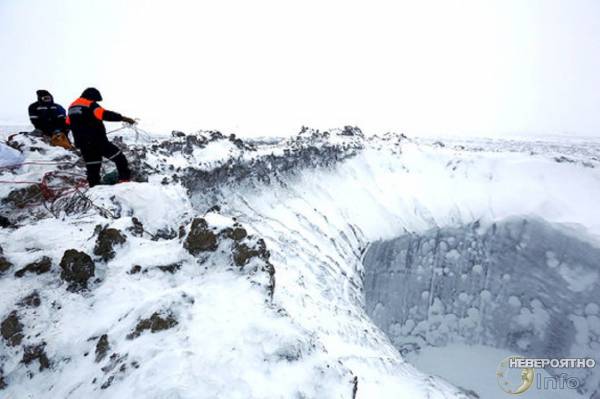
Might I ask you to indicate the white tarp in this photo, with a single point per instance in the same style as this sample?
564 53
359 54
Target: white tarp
9 156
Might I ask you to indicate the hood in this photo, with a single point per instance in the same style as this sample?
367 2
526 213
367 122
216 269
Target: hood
92 94
41 93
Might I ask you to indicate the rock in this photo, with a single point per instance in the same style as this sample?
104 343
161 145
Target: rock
200 238
32 300
2 382
214 208
137 230
24 196
4 265
172 268
270 270
4 222
108 238
352 131
135 269
12 329
41 266
216 135
165 233
117 366
155 323
77 268
243 252
236 233
36 352
101 348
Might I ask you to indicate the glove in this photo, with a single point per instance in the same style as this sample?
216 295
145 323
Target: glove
128 120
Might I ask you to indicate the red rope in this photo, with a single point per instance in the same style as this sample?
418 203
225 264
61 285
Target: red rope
50 193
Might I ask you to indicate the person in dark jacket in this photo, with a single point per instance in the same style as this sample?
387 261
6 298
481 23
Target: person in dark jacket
85 119
49 119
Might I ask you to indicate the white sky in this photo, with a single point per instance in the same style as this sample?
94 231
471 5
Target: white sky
268 67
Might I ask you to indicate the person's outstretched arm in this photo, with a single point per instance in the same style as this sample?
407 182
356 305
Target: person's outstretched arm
109 116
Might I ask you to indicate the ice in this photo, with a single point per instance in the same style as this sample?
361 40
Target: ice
537 315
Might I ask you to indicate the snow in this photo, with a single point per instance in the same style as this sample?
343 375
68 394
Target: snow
316 335
9 156
156 206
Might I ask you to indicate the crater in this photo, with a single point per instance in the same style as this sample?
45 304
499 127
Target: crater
520 286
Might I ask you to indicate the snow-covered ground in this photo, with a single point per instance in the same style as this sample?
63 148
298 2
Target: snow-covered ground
318 201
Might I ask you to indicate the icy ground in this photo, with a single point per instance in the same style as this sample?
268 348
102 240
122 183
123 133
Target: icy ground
474 373
182 302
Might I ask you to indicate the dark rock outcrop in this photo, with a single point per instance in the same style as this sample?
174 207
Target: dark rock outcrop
4 265
137 228
102 347
32 300
12 329
352 131
2 382
4 222
166 233
108 239
244 251
156 322
171 268
200 238
135 269
39 267
22 197
236 233
36 352
77 268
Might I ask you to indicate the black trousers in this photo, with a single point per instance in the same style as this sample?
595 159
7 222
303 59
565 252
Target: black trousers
93 154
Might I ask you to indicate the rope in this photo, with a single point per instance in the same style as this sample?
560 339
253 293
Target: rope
116 130
69 186
100 209
50 193
40 163
138 131
19 182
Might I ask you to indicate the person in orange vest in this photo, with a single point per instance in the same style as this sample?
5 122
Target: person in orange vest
85 118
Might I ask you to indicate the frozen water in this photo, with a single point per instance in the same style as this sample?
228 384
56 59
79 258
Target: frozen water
492 286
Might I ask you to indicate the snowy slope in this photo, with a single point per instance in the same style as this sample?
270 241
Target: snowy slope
317 200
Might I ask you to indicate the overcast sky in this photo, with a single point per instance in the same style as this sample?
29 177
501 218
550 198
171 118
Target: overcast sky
268 67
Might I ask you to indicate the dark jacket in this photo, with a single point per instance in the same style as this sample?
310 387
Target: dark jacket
85 120
47 116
